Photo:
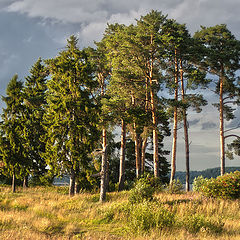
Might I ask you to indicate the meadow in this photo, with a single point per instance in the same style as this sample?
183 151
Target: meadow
49 213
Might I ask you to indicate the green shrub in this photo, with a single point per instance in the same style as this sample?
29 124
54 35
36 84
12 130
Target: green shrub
146 216
175 187
198 183
227 186
141 191
198 222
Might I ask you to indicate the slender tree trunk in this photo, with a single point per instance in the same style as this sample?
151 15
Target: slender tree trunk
154 119
103 188
13 183
107 177
185 125
175 123
72 183
222 139
77 187
25 181
137 153
143 154
122 157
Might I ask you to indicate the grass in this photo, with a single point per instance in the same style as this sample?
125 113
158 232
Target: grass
48 213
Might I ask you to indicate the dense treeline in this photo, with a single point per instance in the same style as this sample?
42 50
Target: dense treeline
61 120
208 173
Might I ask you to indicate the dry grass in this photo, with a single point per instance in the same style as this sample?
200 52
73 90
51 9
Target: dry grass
48 213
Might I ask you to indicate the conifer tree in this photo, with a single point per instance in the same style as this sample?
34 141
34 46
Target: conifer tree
182 74
72 115
222 55
11 147
34 94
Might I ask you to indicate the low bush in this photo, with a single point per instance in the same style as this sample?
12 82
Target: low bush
198 222
146 216
227 186
141 191
175 187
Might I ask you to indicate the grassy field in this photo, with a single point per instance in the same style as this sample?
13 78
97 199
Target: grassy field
48 213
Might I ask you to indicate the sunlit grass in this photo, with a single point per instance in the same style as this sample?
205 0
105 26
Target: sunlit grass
48 213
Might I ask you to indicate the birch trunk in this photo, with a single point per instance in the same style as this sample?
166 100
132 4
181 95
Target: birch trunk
154 118
122 157
137 154
185 125
143 154
104 167
72 183
175 123
13 183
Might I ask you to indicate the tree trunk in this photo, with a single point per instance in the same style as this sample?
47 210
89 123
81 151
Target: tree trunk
222 139
122 157
104 167
25 181
185 125
77 187
143 154
137 152
72 183
154 119
175 123
13 183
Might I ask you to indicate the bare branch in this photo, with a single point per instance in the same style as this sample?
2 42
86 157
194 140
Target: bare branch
232 128
232 135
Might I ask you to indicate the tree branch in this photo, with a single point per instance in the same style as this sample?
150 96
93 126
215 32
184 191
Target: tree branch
232 135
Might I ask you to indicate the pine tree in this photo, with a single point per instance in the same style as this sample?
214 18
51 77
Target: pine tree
222 55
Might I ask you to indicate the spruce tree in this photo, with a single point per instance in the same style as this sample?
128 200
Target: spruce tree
11 147
34 94
72 115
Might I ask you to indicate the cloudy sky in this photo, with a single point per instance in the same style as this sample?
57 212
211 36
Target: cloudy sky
32 28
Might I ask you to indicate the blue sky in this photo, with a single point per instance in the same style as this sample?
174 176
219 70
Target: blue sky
31 29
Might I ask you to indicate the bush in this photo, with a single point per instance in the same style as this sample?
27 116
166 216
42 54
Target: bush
198 183
227 186
198 222
148 215
142 191
175 187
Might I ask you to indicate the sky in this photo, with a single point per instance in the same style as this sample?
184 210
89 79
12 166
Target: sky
31 29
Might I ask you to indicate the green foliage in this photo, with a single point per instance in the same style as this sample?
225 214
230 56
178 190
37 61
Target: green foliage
175 187
198 222
147 216
11 129
198 183
141 191
72 113
226 186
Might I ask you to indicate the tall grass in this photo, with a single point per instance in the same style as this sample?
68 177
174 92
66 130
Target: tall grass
48 213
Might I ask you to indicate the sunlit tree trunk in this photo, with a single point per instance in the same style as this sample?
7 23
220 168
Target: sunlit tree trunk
13 182
222 139
25 181
72 183
143 154
154 119
137 153
103 186
185 125
175 124
122 157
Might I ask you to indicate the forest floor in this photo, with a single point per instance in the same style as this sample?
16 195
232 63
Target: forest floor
49 213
